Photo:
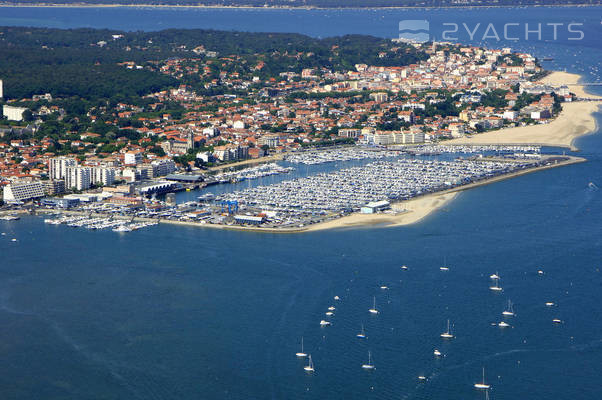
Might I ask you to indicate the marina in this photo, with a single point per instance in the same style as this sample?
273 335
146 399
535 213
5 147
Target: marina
309 199
326 156
316 157
92 223
254 172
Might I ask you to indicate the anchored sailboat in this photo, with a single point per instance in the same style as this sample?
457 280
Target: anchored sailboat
310 365
373 310
482 385
447 334
369 365
509 312
362 334
301 354
496 285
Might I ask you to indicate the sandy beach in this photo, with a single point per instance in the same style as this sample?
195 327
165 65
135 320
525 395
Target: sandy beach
405 213
575 120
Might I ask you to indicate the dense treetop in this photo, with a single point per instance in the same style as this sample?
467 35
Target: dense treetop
84 62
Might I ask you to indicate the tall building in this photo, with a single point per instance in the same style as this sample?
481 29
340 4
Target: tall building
23 191
102 176
57 167
78 178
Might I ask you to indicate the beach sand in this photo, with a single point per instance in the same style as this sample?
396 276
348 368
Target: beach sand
575 120
407 212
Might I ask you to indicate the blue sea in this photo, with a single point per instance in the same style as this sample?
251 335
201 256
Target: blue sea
172 312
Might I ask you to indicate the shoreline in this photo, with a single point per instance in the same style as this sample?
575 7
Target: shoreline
408 211
307 8
574 121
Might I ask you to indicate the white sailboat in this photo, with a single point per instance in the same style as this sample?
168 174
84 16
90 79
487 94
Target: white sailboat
310 365
496 285
482 385
373 310
444 267
509 312
362 334
437 353
301 354
494 276
369 365
447 334
324 323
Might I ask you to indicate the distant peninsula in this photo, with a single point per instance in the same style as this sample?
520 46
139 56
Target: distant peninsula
302 4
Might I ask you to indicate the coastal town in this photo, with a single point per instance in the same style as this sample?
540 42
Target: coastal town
133 157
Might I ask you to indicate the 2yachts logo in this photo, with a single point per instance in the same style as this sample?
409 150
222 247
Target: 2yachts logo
416 30
513 31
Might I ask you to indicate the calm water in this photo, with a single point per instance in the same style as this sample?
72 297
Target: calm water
185 313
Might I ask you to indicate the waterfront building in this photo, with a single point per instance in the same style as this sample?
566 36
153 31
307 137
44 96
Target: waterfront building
17 192
54 186
78 178
57 167
163 167
249 219
374 207
456 130
133 202
59 202
231 153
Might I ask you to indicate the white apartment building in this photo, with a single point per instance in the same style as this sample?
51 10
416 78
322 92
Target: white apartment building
102 176
132 158
57 167
13 113
388 138
23 191
163 167
78 178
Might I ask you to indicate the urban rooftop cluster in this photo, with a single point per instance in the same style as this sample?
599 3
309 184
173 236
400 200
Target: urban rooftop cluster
455 91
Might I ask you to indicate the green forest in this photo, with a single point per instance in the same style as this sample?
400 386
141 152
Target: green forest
84 62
